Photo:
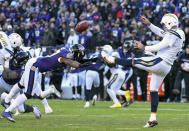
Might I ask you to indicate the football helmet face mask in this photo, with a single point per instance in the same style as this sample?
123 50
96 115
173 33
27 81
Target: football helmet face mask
16 40
79 51
169 21
127 46
20 59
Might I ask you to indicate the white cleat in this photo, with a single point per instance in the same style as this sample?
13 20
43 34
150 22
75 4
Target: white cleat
48 110
87 104
94 100
151 124
55 91
78 96
36 112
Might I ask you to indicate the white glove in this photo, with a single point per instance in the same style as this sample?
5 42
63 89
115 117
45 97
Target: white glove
104 54
7 57
109 59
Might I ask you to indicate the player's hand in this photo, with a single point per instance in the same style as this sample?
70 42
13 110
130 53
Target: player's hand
139 45
145 21
182 65
85 64
109 60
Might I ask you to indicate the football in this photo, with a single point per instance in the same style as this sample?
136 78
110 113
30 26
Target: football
82 26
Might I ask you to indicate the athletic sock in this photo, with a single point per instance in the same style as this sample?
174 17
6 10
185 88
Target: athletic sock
154 105
154 101
124 62
73 89
79 90
18 101
152 116
15 89
46 93
28 108
87 94
128 96
45 102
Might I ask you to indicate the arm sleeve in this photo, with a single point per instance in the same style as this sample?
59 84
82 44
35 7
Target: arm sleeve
167 41
157 30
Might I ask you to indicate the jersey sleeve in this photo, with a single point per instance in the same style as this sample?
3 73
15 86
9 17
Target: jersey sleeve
157 30
65 53
161 45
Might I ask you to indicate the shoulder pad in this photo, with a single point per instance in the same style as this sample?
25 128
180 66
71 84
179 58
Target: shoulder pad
175 33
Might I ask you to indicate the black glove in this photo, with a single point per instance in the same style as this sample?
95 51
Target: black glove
85 64
89 60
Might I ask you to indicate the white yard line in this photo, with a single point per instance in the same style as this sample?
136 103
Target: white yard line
127 128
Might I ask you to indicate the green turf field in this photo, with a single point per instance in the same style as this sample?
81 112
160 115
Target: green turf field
70 115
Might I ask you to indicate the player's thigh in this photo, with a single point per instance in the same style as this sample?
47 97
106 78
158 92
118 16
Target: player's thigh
89 79
4 86
112 80
82 78
74 79
116 85
97 79
150 64
37 89
156 81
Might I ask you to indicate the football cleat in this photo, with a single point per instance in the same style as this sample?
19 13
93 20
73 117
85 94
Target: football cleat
115 106
4 104
87 104
55 91
94 100
78 96
36 112
128 103
73 97
48 110
127 95
151 124
8 116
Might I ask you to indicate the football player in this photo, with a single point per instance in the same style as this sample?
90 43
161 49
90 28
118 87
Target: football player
93 78
119 76
29 80
13 58
160 64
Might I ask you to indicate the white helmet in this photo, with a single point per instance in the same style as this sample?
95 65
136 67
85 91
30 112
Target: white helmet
170 20
16 40
108 49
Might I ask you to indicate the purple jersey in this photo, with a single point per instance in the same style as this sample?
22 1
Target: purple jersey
97 66
125 56
49 63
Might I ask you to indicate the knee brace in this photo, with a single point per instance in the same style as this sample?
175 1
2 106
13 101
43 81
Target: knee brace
28 95
20 86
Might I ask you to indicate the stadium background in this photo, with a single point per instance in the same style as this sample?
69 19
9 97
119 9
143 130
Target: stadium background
49 24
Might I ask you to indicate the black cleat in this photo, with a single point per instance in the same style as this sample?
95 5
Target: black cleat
128 103
151 124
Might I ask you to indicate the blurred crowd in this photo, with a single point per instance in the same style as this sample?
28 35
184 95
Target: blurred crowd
52 22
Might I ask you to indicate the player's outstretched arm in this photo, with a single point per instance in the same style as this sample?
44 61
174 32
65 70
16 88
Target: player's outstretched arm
152 27
72 63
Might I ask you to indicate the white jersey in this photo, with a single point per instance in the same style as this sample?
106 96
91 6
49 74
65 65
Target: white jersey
4 40
5 55
169 47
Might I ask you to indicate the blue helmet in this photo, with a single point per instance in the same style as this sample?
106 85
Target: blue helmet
127 46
